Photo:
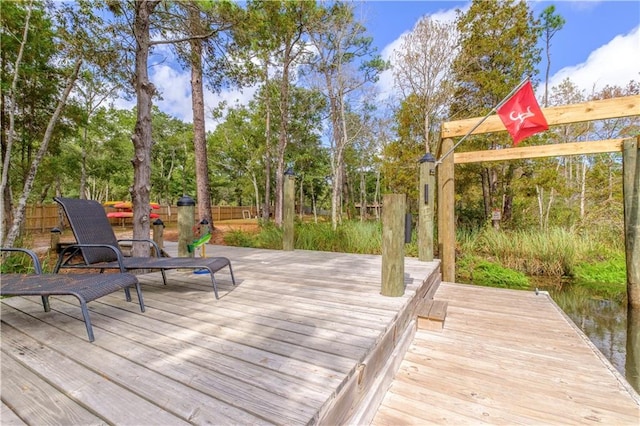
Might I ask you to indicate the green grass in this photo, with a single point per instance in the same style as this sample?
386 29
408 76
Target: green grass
486 257
475 270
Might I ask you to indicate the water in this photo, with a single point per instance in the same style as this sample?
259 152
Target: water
613 329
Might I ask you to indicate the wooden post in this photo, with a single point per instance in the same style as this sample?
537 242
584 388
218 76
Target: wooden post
446 215
393 210
186 220
632 361
288 210
158 231
631 191
426 207
55 239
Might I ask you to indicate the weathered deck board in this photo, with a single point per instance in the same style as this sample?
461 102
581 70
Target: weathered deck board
505 357
281 347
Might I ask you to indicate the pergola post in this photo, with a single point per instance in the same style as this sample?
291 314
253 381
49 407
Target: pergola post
446 215
631 191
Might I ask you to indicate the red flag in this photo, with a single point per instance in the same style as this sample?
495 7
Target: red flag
522 115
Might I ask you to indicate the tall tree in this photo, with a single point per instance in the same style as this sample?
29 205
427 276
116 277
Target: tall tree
551 24
422 70
92 93
78 39
144 18
205 25
343 61
498 42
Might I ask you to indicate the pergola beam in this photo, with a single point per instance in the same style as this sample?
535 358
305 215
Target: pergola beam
539 151
587 111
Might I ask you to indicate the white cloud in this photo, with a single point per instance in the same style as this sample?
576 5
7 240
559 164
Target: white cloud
615 63
174 86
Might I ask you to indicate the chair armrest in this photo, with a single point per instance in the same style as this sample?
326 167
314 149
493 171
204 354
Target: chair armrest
75 247
34 258
145 240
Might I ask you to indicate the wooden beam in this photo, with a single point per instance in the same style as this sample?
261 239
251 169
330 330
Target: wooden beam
573 148
594 110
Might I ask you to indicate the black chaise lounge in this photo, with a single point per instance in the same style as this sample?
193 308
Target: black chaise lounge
85 287
91 226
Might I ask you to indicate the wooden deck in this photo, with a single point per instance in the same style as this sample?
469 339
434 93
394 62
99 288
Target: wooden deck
304 338
505 357
300 340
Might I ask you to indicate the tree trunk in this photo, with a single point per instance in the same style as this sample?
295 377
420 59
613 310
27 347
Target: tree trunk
6 208
486 193
142 138
83 164
283 136
19 211
266 210
199 132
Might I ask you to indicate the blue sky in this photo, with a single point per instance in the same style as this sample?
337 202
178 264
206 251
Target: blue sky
599 45
589 24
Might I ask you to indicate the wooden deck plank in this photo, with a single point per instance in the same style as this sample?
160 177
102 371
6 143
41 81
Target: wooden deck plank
36 400
106 399
9 417
299 341
283 346
507 357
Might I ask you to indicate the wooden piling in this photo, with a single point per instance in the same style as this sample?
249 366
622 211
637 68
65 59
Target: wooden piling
426 207
186 220
631 191
55 240
393 217
288 212
158 233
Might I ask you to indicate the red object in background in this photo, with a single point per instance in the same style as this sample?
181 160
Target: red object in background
521 114
125 209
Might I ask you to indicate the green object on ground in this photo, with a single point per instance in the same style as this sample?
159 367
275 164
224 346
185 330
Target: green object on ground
199 242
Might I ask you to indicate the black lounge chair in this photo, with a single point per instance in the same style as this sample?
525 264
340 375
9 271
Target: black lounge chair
91 227
85 287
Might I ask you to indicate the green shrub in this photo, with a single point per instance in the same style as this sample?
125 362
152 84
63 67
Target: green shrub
474 270
239 239
269 237
606 279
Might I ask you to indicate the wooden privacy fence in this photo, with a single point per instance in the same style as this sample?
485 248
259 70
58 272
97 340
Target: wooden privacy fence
44 217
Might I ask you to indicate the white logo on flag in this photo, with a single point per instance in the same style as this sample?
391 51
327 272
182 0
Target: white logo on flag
522 116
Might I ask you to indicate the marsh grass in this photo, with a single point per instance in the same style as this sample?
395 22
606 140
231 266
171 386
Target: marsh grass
485 257
552 253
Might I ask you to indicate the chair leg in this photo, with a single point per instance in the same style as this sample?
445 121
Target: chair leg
127 294
45 303
87 319
215 284
139 291
233 279
164 277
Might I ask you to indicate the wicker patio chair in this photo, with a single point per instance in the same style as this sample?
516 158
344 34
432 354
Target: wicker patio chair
85 287
90 225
